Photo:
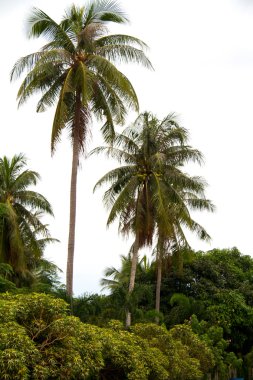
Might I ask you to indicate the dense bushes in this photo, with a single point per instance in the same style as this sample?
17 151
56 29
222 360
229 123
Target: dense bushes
40 340
207 310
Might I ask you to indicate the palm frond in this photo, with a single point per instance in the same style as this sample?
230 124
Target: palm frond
124 197
110 151
124 54
120 39
24 63
34 200
61 114
40 24
104 11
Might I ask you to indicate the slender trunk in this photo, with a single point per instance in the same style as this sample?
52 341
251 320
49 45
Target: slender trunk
72 215
72 220
158 285
128 319
132 277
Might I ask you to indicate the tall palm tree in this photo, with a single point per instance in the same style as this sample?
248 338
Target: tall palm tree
22 234
76 70
149 193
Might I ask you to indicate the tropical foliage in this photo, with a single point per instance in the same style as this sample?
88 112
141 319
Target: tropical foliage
191 312
23 235
150 194
39 340
212 294
75 70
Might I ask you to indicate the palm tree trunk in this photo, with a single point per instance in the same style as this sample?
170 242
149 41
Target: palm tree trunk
72 216
158 285
72 221
132 277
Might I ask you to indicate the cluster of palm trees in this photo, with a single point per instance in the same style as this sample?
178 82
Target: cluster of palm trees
150 194
75 69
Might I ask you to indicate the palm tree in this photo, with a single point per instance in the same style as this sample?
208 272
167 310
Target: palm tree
117 280
76 70
171 237
150 194
22 234
45 276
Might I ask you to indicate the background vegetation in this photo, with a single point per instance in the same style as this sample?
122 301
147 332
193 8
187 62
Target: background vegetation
188 315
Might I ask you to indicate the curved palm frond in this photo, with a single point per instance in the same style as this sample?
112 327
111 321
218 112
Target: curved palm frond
40 24
104 11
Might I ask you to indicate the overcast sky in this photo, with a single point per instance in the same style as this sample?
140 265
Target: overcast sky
202 53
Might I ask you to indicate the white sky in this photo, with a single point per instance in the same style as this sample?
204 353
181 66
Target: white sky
202 52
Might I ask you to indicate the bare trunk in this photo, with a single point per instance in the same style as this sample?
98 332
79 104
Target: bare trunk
72 215
128 319
132 277
158 285
72 220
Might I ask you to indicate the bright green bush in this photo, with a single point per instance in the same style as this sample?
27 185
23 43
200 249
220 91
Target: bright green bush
189 357
39 340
